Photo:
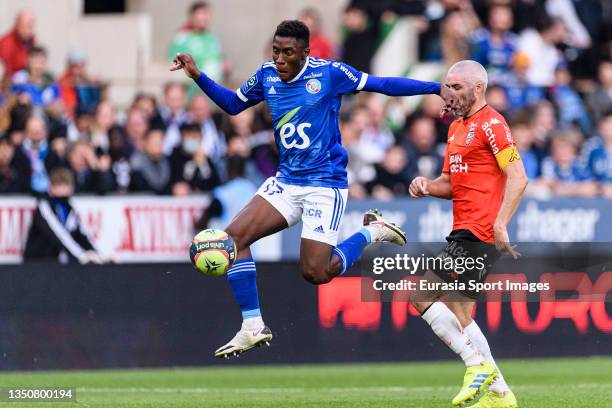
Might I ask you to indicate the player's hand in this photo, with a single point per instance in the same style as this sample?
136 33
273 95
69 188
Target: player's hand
419 187
187 64
447 96
502 241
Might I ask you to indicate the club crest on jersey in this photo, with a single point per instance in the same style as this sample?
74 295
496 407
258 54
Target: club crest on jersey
313 86
471 134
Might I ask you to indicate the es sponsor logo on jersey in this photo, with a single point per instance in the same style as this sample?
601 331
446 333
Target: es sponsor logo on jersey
287 131
313 86
456 164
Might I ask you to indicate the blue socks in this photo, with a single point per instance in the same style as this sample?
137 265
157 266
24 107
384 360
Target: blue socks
351 248
242 277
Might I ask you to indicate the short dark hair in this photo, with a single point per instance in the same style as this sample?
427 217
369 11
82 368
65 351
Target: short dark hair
189 127
61 175
197 5
295 29
37 50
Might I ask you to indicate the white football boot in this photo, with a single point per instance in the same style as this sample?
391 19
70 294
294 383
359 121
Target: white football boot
245 340
381 230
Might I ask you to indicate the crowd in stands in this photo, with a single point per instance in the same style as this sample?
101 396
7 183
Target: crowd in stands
550 74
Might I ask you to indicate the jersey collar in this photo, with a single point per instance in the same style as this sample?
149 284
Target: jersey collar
301 72
475 113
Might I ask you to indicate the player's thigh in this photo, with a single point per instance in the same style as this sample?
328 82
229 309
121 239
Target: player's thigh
322 211
268 212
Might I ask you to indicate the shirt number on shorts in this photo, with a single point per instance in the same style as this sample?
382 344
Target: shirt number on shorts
273 188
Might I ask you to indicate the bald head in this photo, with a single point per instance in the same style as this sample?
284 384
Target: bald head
471 72
24 25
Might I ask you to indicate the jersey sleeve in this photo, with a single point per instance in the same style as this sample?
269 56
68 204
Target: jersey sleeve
498 138
346 79
252 89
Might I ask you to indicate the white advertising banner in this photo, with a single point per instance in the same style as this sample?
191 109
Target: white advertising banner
124 229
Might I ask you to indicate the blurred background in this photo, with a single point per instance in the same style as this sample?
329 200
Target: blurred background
85 86
89 109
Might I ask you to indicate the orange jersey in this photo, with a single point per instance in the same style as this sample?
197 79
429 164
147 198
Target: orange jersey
479 147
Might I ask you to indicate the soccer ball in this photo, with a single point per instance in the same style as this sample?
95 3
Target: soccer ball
212 252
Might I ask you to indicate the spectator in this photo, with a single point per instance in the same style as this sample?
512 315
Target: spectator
56 232
455 31
120 150
519 91
17 43
35 81
136 127
420 146
41 158
390 180
148 104
561 171
82 126
576 34
213 142
229 198
150 169
320 45
497 98
196 39
192 170
4 98
103 121
376 138
600 101
14 169
569 104
495 47
599 160
91 173
540 47
173 114
524 138
78 89
360 169
361 33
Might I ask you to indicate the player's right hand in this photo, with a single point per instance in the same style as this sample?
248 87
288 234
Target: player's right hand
186 63
419 187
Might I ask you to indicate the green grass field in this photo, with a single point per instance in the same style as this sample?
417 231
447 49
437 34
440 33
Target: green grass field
568 383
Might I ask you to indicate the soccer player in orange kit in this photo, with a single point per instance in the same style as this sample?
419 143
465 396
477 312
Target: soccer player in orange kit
484 176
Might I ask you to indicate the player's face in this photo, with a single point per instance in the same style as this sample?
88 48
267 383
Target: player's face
459 95
289 56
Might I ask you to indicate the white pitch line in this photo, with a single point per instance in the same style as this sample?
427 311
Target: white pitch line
264 390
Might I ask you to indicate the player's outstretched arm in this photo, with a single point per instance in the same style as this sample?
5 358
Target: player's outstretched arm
397 86
225 98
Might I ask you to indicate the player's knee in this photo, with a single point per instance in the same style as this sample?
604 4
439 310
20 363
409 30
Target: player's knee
241 238
314 275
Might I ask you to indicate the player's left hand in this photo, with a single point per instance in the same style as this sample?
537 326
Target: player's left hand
186 63
502 241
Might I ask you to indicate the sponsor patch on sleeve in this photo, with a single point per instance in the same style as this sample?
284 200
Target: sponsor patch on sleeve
249 84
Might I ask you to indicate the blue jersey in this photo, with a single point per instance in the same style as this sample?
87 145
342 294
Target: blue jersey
305 119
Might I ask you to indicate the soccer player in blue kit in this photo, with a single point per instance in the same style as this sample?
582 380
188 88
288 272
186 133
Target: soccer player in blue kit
304 96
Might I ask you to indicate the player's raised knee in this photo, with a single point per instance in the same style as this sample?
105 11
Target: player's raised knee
314 275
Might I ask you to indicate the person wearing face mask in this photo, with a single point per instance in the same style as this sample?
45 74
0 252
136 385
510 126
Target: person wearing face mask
192 170
56 233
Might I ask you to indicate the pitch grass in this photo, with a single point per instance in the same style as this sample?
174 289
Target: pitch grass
567 383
